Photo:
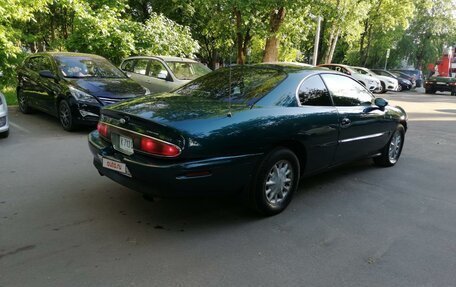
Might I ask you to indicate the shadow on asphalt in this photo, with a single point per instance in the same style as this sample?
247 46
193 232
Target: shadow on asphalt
45 121
179 214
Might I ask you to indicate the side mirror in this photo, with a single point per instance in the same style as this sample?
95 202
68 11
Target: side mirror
162 76
381 103
48 74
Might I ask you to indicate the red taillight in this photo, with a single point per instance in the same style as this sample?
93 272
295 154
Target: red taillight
157 147
102 129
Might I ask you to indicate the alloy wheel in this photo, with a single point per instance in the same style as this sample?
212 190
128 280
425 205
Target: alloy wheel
22 101
279 182
65 115
395 147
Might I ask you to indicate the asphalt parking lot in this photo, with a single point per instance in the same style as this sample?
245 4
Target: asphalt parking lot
61 224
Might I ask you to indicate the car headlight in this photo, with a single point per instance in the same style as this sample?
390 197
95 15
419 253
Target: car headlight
147 91
408 82
81 96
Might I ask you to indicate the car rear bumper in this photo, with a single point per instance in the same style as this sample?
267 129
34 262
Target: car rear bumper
444 87
212 176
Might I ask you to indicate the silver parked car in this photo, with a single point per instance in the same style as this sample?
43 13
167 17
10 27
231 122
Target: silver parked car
162 74
4 126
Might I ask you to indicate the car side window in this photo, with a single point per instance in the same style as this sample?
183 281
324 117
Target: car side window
313 92
39 63
45 64
127 65
141 66
346 91
33 64
157 70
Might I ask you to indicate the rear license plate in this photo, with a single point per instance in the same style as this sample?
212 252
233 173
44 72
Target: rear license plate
126 144
441 83
115 165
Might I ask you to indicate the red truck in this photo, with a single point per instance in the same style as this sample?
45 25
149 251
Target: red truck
443 78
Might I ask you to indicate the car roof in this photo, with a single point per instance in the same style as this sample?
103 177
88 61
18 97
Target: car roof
340 65
290 64
337 65
289 67
164 58
361 68
66 54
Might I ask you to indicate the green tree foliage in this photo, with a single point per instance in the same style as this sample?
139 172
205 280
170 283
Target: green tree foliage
224 31
93 26
13 15
432 28
105 31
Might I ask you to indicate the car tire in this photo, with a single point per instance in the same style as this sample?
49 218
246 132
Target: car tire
275 182
4 134
22 101
399 88
65 116
383 88
393 149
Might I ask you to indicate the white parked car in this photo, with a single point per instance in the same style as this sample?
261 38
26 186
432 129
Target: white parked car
388 83
161 73
4 125
373 84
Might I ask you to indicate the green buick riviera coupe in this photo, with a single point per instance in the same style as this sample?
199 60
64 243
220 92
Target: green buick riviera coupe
252 129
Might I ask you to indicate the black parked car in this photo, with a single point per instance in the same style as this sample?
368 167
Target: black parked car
258 132
405 76
404 83
416 74
72 86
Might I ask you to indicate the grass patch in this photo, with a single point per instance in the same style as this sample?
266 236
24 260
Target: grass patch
10 95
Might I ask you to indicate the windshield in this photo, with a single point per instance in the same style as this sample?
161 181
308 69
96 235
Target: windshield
401 75
85 67
188 70
248 84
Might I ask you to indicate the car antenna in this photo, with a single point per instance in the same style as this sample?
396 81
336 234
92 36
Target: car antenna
229 86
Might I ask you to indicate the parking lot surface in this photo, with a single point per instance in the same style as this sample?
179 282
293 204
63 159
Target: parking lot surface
61 224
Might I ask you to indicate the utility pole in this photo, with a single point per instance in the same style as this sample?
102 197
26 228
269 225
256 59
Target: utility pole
387 56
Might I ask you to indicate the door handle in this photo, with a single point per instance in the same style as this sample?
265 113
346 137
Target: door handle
345 122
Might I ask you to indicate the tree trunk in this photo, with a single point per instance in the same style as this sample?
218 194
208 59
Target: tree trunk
271 49
367 51
361 41
240 38
333 47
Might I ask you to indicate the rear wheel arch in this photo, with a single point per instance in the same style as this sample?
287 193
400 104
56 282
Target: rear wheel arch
298 149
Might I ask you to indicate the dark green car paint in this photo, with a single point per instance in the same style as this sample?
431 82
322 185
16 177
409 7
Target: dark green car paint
233 139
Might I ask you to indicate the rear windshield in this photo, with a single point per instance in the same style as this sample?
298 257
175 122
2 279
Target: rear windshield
87 67
248 84
188 70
